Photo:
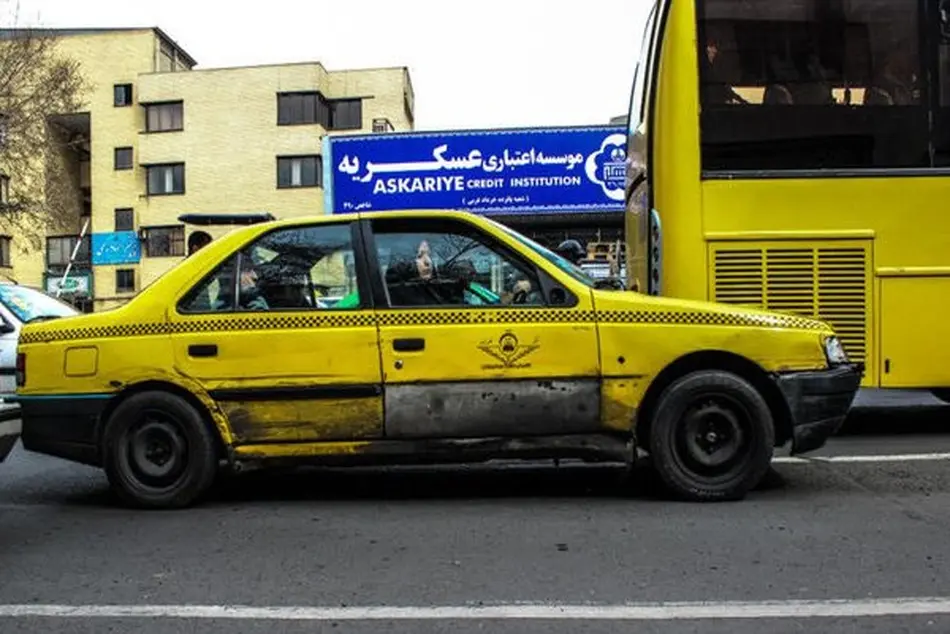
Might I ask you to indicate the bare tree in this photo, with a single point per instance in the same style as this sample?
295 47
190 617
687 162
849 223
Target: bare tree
42 135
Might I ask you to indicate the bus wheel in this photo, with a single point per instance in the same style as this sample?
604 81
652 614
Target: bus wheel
712 437
158 452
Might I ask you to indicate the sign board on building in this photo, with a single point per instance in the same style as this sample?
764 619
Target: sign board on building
119 247
537 170
74 284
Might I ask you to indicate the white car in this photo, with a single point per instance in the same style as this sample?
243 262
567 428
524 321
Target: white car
19 305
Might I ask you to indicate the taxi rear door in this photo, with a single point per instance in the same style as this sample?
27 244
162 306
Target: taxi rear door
263 337
466 352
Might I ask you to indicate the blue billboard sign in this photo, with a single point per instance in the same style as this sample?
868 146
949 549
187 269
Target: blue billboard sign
120 247
484 171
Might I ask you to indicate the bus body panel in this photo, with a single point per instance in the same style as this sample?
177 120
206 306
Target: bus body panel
867 250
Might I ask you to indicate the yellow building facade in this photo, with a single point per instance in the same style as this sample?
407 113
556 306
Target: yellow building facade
167 139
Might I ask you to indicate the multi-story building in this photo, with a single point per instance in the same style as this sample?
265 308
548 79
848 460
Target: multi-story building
163 139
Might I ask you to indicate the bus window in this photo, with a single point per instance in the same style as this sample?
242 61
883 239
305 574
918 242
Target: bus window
641 76
940 19
811 85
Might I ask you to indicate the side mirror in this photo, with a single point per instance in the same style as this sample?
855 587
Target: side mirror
558 296
6 328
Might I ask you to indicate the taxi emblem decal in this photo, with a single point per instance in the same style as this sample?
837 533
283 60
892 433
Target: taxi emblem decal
508 350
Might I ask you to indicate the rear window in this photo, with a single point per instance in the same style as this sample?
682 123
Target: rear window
28 304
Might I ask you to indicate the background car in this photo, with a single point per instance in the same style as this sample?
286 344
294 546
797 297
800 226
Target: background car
19 305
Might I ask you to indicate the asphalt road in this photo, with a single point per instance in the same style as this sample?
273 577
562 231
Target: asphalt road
853 539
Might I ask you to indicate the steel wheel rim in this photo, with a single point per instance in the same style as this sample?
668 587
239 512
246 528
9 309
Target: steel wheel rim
155 450
714 437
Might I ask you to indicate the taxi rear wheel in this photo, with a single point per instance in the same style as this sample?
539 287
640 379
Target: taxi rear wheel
158 452
712 436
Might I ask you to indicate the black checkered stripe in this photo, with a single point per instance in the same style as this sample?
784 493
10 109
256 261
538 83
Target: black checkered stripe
413 318
706 319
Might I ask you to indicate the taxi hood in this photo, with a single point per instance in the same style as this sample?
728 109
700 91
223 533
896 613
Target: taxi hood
672 310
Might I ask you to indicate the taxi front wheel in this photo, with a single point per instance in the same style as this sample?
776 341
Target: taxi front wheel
158 452
712 436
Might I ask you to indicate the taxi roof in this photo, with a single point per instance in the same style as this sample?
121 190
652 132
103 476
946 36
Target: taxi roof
268 219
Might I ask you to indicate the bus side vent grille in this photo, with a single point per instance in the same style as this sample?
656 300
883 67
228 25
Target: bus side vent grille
830 283
739 277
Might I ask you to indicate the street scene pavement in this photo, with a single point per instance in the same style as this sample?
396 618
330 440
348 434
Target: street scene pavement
853 538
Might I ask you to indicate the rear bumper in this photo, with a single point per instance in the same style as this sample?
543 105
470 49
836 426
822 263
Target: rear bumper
10 428
819 402
66 426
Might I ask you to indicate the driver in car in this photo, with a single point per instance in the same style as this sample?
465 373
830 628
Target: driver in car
249 296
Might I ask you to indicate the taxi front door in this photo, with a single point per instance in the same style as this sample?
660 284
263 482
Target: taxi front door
469 348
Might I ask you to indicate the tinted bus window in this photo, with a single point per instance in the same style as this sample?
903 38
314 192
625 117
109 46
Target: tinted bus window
939 20
811 84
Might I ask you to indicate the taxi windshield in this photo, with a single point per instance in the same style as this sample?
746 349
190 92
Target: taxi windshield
565 265
29 304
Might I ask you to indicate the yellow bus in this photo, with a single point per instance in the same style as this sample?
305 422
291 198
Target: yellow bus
795 155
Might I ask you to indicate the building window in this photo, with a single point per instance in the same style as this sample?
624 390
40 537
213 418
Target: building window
302 108
59 251
811 85
164 117
122 95
124 220
346 114
166 179
4 189
6 244
125 280
123 158
299 171
164 242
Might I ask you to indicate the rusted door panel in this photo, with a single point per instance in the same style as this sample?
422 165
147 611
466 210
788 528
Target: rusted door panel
493 408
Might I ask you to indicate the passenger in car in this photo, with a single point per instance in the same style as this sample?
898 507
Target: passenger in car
249 295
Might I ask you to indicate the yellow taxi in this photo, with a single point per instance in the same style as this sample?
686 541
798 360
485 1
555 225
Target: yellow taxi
418 336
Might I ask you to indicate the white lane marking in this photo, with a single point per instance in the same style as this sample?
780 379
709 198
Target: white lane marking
847 608
906 457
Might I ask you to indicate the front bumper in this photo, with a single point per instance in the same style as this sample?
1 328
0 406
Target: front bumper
10 427
819 402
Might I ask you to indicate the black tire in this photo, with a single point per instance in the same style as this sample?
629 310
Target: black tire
695 413
183 461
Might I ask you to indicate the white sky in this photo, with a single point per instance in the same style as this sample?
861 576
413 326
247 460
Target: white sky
484 64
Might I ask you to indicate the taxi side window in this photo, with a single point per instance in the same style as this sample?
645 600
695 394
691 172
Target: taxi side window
300 268
451 265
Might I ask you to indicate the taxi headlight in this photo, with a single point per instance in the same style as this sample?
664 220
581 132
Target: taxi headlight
834 351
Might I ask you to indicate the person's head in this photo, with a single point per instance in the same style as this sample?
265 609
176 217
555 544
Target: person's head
712 49
197 240
249 276
424 260
898 65
571 250
522 285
